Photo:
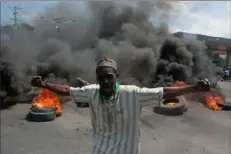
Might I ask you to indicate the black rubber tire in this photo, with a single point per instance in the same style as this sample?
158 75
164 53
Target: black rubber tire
177 109
226 106
42 110
82 104
41 117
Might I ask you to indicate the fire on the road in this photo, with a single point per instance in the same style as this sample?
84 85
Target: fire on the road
45 99
210 99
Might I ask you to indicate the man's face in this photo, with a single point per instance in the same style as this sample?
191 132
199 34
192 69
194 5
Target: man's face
106 78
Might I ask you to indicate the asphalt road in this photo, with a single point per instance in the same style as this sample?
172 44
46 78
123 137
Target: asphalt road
225 85
226 90
199 131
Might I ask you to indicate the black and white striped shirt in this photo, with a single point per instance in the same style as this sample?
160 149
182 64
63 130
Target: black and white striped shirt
116 128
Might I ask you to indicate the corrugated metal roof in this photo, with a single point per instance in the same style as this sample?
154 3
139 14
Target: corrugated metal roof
207 39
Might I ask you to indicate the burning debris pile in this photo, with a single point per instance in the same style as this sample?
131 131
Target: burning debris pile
211 101
146 54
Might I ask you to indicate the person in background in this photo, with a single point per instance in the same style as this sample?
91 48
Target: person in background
226 74
115 109
229 68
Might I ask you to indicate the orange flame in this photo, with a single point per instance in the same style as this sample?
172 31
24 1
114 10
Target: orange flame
211 102
178 84
172 103
209 99
45 99
219 99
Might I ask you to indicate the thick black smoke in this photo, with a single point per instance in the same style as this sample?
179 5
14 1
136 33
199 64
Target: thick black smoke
147 55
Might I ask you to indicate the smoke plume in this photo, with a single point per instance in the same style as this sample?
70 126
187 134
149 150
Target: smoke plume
147 54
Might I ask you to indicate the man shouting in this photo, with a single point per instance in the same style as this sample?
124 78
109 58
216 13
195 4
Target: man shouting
115 109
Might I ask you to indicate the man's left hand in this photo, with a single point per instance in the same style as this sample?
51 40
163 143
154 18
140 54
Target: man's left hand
203 86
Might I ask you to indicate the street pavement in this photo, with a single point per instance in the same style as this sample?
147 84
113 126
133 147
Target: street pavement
198 131
226 90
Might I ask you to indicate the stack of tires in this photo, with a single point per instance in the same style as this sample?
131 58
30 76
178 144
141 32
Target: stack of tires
38 114
178 108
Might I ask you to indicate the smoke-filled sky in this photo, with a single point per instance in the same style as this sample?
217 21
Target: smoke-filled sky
204 17
146 53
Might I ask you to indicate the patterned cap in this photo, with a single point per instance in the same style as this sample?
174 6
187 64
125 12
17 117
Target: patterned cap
107 62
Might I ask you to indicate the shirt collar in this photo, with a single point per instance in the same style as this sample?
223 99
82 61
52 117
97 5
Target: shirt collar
117 86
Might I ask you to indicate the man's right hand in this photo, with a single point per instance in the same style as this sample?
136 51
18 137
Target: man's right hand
36 81
56 88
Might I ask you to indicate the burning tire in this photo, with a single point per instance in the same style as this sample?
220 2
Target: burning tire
41 116
45 107
222 103
216 101
225 106
174 106
42 110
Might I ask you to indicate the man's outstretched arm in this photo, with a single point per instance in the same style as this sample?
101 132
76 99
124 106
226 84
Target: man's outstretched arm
201 86
63 90
56 88
148 96
77 93
169 92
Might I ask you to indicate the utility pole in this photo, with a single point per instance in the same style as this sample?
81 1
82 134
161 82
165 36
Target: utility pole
15 14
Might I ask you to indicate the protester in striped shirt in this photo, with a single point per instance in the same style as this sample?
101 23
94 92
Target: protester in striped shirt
115 109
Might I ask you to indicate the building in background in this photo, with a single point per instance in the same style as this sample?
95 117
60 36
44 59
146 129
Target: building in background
219 48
